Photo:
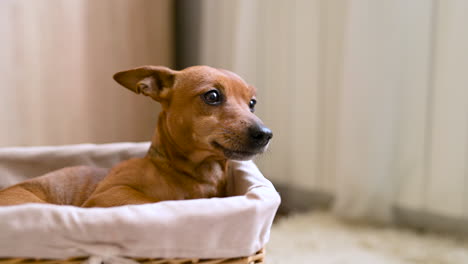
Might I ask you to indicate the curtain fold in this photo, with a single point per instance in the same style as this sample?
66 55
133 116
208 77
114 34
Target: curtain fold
369 108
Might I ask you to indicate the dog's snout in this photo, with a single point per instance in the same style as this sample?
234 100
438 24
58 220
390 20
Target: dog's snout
260 135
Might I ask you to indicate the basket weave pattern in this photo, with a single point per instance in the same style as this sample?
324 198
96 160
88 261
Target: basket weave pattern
258 258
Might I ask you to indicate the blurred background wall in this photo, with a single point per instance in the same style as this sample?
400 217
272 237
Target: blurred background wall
57 59
368 100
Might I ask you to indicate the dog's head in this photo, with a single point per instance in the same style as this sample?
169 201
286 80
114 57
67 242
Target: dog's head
208 111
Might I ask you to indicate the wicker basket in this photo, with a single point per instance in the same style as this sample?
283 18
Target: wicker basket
258 258
17 246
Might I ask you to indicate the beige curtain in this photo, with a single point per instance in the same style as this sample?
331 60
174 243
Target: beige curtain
368 100
57 59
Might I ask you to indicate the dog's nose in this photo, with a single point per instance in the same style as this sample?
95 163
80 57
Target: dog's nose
260 135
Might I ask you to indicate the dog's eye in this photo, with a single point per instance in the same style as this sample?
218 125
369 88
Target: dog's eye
252 104
212 97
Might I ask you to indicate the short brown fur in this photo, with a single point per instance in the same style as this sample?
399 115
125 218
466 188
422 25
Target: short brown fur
189 152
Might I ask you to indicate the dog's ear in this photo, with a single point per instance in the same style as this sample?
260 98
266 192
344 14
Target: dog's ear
153 81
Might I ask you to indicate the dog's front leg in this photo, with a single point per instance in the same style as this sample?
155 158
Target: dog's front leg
116 196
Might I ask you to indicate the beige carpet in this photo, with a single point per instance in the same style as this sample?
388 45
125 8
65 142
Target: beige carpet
320 238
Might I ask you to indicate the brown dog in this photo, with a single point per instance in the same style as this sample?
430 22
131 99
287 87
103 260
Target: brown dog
207 119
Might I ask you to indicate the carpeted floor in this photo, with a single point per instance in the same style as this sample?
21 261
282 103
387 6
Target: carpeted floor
318 237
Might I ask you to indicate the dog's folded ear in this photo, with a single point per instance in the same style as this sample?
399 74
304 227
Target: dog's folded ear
153 81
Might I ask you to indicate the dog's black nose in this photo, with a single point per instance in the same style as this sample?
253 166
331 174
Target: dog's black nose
260 135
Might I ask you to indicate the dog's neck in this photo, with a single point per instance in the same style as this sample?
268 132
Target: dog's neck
164 150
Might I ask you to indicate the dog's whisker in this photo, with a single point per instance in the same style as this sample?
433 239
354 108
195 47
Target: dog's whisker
227 130
218 133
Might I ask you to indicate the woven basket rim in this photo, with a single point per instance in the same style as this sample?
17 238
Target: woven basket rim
258 257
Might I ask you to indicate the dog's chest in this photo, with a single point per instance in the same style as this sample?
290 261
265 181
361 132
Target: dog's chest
205 181
210 181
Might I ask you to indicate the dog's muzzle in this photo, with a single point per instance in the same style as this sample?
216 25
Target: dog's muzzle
253 143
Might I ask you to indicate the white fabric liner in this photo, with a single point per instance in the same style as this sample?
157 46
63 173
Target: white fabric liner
201 228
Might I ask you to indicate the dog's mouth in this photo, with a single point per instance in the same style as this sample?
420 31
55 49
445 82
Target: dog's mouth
236 154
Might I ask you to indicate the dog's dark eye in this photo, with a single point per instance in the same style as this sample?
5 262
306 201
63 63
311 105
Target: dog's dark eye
212 97
252 104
